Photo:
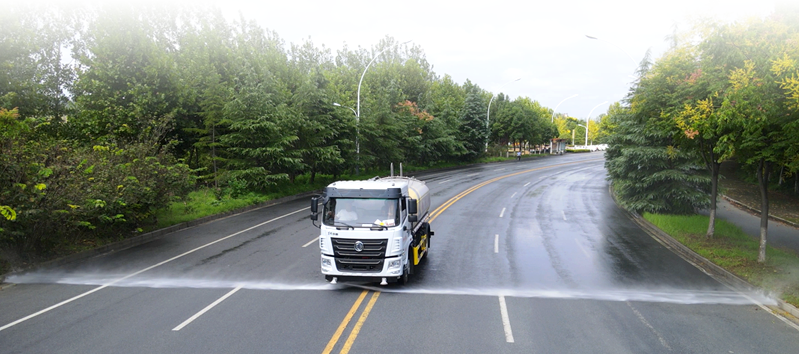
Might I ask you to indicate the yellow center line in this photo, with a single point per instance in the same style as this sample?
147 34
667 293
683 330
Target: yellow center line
433 215
359 324
460 195
344 323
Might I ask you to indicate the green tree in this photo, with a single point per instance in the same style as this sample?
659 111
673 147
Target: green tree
127 82
650 172
259 136
14 50
472 127
320 134
755 109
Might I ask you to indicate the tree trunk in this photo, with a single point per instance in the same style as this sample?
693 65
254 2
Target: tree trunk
782 170
313 177
762 179
714 190
213 153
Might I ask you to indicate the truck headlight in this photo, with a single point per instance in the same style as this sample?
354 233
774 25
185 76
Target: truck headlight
326 263
395 263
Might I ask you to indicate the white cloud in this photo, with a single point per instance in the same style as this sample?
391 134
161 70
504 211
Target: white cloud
540 34
482 42
367 12
263 8
463 4
637 25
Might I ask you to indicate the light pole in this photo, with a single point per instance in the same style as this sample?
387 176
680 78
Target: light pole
586 134
553 119
556 107
351 109
357 111
588 119
617 47
488 111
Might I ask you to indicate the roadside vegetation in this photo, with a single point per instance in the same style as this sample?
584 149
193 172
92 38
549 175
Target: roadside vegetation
721 92
205 202
736 252
120 118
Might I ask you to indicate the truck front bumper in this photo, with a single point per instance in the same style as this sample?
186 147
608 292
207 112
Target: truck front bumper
392 269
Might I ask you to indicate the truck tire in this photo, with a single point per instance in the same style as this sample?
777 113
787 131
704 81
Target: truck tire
408 270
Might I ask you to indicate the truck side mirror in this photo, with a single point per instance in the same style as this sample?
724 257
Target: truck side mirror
412 206
314 205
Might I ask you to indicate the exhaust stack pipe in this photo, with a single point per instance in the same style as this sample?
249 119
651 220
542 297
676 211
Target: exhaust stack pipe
392 169
400 169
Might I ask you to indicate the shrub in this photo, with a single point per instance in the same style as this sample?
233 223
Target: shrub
63 193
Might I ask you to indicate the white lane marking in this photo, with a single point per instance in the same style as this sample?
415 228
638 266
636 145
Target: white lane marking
733 288
525 185
500 169
564 215
503 309
502 212
310 242
496 243
645 322
514 194
62 303
198 314
445 181
473 174
579 244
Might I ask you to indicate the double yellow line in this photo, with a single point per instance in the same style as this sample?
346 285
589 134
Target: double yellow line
355 330
433 215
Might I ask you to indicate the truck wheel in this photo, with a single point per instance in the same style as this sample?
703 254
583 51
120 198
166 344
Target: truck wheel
403 280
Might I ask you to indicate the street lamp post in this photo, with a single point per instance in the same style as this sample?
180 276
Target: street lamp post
553 118
351 109
357 111
488 111
586 134
588 119
556 107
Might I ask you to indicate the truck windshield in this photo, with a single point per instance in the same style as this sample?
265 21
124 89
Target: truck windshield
361 212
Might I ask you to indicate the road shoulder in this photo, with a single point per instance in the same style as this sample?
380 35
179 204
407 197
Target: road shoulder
782 310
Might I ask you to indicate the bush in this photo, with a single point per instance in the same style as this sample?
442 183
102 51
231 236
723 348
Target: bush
63 194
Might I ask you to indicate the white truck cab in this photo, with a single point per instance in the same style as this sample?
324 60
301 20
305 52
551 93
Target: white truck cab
372 230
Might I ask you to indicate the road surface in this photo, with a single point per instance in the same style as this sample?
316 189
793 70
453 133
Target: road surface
536 259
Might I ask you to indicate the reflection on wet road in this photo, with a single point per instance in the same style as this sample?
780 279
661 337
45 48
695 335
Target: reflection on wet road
538 260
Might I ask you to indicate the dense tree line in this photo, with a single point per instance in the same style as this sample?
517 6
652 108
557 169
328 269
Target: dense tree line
110 113
727 91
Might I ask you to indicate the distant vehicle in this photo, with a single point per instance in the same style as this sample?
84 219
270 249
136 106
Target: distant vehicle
373 230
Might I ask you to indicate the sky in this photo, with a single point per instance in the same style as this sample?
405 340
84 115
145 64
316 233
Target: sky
492 43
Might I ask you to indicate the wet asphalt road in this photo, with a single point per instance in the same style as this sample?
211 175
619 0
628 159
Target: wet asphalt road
539 261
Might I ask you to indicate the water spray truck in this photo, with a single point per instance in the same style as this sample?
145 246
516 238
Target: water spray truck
374 230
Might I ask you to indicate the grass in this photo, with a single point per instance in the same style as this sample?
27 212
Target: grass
204 202
735 251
